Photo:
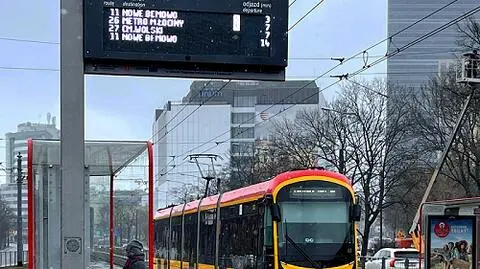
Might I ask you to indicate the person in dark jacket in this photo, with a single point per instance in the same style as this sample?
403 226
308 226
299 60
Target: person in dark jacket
135 256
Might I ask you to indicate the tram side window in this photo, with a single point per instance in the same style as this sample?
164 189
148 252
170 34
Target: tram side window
268 228
161 236
190 238
239 236
157 238
207 236
227 218
175 243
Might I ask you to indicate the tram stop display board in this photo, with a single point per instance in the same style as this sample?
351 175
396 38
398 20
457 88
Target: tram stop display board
235 39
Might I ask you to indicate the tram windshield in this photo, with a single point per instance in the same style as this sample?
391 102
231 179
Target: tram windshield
316 230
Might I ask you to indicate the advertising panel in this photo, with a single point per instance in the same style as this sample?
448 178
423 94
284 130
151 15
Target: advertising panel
450 241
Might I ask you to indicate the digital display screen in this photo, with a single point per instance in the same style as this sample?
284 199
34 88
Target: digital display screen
189 33
316 193
235 39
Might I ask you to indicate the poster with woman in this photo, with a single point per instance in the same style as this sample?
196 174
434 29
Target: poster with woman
450 242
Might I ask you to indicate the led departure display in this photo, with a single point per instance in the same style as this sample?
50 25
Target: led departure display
315 193
199 38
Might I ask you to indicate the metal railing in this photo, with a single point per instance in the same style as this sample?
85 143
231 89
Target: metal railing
468 70
385 263
9 258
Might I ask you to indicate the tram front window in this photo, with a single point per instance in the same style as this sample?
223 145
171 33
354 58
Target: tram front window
315 230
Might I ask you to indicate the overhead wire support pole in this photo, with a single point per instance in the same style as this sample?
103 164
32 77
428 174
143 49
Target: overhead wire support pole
442 159
19 211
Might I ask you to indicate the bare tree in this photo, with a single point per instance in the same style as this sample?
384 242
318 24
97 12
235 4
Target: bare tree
437 109
252 163
378 160
327 128
355 136
434 111
241 167
186 193
6 222
469 34
295 143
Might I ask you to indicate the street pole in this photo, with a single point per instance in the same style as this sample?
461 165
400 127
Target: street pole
74 194
136 224
19 211
381 224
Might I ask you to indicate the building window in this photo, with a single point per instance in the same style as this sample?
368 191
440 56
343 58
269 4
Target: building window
242 132
244 101
242 148
243 118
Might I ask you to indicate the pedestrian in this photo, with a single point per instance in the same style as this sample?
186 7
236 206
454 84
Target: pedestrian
135 256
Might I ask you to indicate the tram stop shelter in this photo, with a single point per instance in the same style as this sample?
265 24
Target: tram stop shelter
108 164
450 230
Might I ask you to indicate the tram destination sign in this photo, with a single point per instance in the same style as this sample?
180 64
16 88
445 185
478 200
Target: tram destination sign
315 193
234 39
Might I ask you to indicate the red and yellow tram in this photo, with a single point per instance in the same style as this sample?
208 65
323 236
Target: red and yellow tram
298 219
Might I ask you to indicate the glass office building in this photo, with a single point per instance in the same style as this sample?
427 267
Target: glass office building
413 67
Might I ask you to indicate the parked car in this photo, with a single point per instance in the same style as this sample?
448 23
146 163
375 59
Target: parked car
395 258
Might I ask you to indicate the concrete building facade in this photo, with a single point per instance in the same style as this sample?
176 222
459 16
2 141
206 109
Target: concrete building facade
220 118
16 142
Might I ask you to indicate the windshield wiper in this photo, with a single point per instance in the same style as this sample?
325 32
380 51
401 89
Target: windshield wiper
297 247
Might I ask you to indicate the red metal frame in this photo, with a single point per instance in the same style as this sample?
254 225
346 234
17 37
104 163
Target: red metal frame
150 205
31 206
259 189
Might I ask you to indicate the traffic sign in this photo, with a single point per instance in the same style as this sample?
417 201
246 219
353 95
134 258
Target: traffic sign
235 39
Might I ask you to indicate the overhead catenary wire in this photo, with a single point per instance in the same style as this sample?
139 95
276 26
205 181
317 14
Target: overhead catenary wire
382 58
376 44
388 55
29 40
367 88
56 70
323 58
183 108
230 80
191 113
313 58
449 4
305 15
313 76
419 39
364 51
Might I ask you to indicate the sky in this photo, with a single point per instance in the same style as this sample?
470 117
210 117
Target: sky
123 107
